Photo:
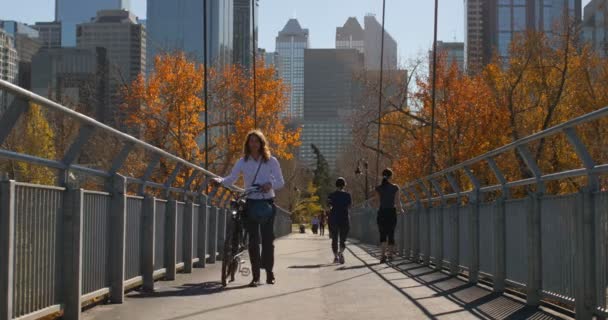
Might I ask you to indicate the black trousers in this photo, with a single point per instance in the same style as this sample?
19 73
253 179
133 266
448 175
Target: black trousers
322 228
265 231
387 221
338 233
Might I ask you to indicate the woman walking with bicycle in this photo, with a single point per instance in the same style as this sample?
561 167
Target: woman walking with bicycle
386 199
262 172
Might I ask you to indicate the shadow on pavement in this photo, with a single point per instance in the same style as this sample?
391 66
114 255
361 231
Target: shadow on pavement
312 266
187 289
478 301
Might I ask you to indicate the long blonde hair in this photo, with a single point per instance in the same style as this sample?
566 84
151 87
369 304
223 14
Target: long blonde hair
265 151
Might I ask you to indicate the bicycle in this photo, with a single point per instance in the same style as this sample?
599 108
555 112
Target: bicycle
237 240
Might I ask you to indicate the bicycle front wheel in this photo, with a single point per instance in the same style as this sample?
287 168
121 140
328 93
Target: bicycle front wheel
229 263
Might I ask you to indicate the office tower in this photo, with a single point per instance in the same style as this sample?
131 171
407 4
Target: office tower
473 35
27 43
373 44
495 23
290 45
8 65
77 78
73 12
125 42
244 30
595 26
271 59
49 34
454 52
350 36
178 25
331 95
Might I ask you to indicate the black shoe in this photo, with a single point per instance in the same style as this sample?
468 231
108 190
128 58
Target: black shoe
270 278
341 258
254 283
383 259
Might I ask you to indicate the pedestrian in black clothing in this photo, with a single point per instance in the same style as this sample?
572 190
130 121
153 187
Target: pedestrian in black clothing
340 202
322 219
386 199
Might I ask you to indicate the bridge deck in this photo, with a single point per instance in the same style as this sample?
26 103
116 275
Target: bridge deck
308 287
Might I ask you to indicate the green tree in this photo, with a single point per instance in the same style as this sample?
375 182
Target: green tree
308 204
33 136
321 176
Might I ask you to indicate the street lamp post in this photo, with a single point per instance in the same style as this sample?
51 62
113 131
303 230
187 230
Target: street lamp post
358 172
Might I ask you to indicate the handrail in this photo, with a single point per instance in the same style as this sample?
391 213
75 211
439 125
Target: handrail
125 138
590 169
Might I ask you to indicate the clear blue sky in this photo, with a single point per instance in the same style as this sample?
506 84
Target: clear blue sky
410 22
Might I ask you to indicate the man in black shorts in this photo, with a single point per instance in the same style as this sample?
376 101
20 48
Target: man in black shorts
340 202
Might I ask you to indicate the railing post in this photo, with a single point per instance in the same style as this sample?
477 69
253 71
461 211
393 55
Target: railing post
72 253
7 248
212 231
500 231
439 258
475 200
149 229
586 237
188 238
426 255
118 225
455 223
585 273
500 242
171 240
202 231
534 283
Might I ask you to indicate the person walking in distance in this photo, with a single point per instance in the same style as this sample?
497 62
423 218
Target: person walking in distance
386 199
340 202
261 171
322 223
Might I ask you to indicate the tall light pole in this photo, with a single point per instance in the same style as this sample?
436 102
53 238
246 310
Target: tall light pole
254 54
380 92
434 91
205 87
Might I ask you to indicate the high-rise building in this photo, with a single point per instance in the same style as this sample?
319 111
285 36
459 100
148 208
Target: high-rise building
125 42
595 26
454 52
73 12
244 30
49 34
495 23
179 25
373 44
473 34
290 45
27 43
350 36
271 59
77 78
8 64
331 95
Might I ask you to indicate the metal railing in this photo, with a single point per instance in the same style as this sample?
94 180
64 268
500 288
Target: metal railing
548 246
63 246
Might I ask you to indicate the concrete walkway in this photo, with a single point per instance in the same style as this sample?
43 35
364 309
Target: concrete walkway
310 287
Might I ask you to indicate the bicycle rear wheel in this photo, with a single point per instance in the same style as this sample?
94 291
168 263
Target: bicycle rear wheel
229 262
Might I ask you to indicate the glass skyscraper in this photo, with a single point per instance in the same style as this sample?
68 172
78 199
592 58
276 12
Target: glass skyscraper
290 45
244 30
492 24
178 25
73 12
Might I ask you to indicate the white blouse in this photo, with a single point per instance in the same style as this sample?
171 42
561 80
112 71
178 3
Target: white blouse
270 171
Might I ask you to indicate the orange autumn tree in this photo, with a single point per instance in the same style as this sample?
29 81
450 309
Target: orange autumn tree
233 90
166 108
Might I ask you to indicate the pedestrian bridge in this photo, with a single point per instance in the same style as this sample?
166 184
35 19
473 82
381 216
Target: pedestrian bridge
131 247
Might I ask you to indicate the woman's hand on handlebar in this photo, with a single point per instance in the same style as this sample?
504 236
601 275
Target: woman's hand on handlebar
215 182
